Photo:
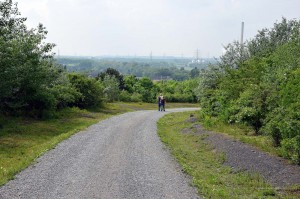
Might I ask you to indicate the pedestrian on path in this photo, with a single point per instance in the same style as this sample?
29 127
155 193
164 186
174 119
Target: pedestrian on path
161 102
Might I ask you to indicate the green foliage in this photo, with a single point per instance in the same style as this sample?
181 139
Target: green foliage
130 82
91 90
147 89
125 96
136 97
248 108
28 72
258 84
267 40
194 72
291 148
175 91
65 95
111 88
112 73
156 69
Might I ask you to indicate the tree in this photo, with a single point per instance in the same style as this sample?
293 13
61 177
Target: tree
147 89
111 88
113 73
194 72
91 90
267 40
130 81
27 68
258 86
235 54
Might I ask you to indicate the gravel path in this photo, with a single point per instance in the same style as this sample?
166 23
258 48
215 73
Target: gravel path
241 156
121 157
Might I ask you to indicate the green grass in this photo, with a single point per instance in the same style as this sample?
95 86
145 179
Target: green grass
199 160
22 140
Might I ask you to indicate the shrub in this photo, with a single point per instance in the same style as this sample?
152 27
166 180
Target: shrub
290 148
91 90
136 97
125 96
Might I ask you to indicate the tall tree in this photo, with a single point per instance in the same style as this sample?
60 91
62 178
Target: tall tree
26 67
113 73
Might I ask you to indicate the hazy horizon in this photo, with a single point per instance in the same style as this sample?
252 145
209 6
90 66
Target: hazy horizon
161 27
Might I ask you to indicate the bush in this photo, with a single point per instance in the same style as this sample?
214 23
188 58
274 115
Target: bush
259 86
91 91
248 108
290 148
136 97
65 95
125 96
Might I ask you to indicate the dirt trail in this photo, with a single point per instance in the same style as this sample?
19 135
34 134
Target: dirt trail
241 156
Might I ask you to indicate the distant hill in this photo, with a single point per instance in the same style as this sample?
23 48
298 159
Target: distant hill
157 67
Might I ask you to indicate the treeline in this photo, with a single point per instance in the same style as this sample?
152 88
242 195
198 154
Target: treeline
258 84
176 69
129 88
33 84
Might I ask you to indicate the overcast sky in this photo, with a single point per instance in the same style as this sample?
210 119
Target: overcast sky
165 27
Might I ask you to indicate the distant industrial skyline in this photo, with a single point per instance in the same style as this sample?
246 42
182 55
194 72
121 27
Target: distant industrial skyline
161 27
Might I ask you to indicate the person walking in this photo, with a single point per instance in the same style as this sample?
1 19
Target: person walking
159 101
162 103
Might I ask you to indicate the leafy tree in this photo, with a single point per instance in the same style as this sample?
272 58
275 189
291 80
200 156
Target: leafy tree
257 84
125 96
175 91
64 92
194 72
267 40
207 92
91 90
147 89
130 81
113 73
111 88
27 68
235 54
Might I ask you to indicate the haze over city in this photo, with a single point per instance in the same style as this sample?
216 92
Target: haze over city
163 27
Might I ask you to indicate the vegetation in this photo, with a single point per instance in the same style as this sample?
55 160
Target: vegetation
257 84
178 69
33 84
198 159
129 88
37 95
27 68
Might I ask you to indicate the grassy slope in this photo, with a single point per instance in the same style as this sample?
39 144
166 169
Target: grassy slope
22 140
199 160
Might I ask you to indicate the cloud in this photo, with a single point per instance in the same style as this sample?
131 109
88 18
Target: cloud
90 27
36 11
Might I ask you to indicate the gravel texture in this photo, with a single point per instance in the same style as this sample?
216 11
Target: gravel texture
241 156
121 157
